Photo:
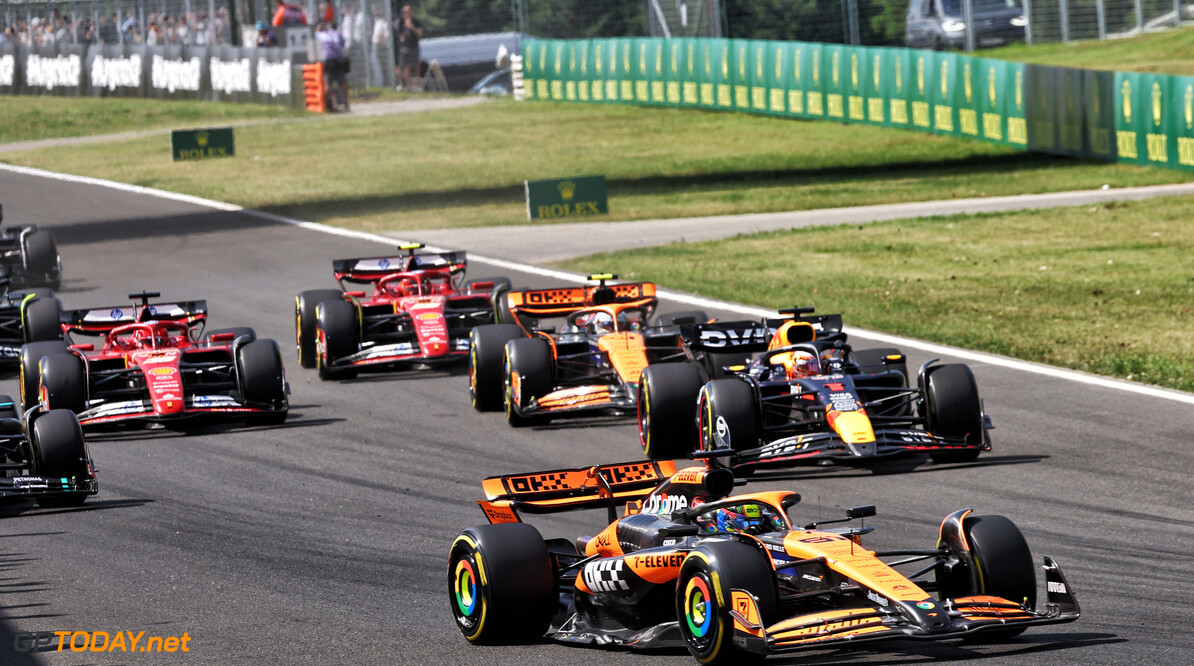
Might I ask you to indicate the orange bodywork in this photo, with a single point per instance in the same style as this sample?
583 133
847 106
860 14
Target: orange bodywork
627 353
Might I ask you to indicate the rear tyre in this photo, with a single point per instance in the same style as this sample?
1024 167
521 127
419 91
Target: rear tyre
304 322
953 409
30 375
1003 567
263 381
59 451
502 314
528 376
704 599
667 409
728 415
486 355
682 317
63 382
337 329
236 331
42 259
42 319
501 584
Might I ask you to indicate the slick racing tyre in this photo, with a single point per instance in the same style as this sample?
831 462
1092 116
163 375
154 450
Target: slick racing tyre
41 319
953 409
728 415
1003 568
486 354
259 364
528 375
704 599
304 321
501 584
59 451
502 314
63 383
30 375
338 332
667 409
236 331
682 317
42 259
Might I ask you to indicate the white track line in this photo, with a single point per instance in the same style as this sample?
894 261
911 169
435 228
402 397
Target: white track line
679 297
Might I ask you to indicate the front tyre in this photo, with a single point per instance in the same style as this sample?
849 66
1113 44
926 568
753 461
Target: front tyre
501 584
60 452
667 409
953 410
338 332
63 382
713 579
30 375
304 322
263 382
41 319
486 355
1003 567
729 415
529 376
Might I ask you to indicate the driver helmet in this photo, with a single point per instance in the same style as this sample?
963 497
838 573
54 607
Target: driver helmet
627 323
797 364
743 518
601 323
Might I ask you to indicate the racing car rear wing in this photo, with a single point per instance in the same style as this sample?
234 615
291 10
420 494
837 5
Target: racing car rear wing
561 301
554 491
366 270
99 320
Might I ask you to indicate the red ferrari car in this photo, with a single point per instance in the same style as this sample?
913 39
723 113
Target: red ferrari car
155 364
421 311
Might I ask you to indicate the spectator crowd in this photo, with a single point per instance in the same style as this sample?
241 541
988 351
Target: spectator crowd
196 28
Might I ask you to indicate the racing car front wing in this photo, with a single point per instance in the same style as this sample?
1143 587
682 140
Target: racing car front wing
400 352
830 446
196 405
40 486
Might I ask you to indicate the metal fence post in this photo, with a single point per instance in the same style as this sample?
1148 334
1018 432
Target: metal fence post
1063 11
1028 22
968 19
1139 16
852 22
1177 12
1101 12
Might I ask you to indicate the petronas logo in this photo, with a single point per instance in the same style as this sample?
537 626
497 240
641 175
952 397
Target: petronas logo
1019 89
642 59
796 64
557 58
779 65
759 59
899 72
817 67
597 59
875 71
836 63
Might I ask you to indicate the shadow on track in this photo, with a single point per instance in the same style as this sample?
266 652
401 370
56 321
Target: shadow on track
842 471
28 507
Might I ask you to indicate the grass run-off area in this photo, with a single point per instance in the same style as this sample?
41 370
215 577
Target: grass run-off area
1106 289
1166 52
466 166
33 117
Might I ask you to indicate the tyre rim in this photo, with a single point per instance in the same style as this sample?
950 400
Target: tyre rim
644 419
472 375
465 588
298 330
706 434
698 612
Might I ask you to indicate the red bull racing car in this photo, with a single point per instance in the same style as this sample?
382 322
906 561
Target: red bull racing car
803 395
154 363
730 577
421 311
570 350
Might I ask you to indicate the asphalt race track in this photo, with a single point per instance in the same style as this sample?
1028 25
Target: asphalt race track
324 541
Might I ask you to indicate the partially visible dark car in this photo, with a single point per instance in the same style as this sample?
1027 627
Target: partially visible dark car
940 24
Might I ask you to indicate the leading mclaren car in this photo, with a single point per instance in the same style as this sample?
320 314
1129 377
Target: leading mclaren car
730 577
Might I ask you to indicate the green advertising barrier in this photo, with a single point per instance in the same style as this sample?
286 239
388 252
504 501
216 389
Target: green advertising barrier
968 97
992 97
1098 101
832 83
875 87
1014 110
943 93
1181 110
920 93
1135 118
856 69
1130 111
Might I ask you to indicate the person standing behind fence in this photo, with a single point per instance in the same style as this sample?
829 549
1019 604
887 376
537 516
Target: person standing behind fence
408 30
335 64
265 38
381 37
288 15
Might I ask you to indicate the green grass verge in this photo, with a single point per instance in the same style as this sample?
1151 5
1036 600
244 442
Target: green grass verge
30 118
465 167
1168 52
1105 289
